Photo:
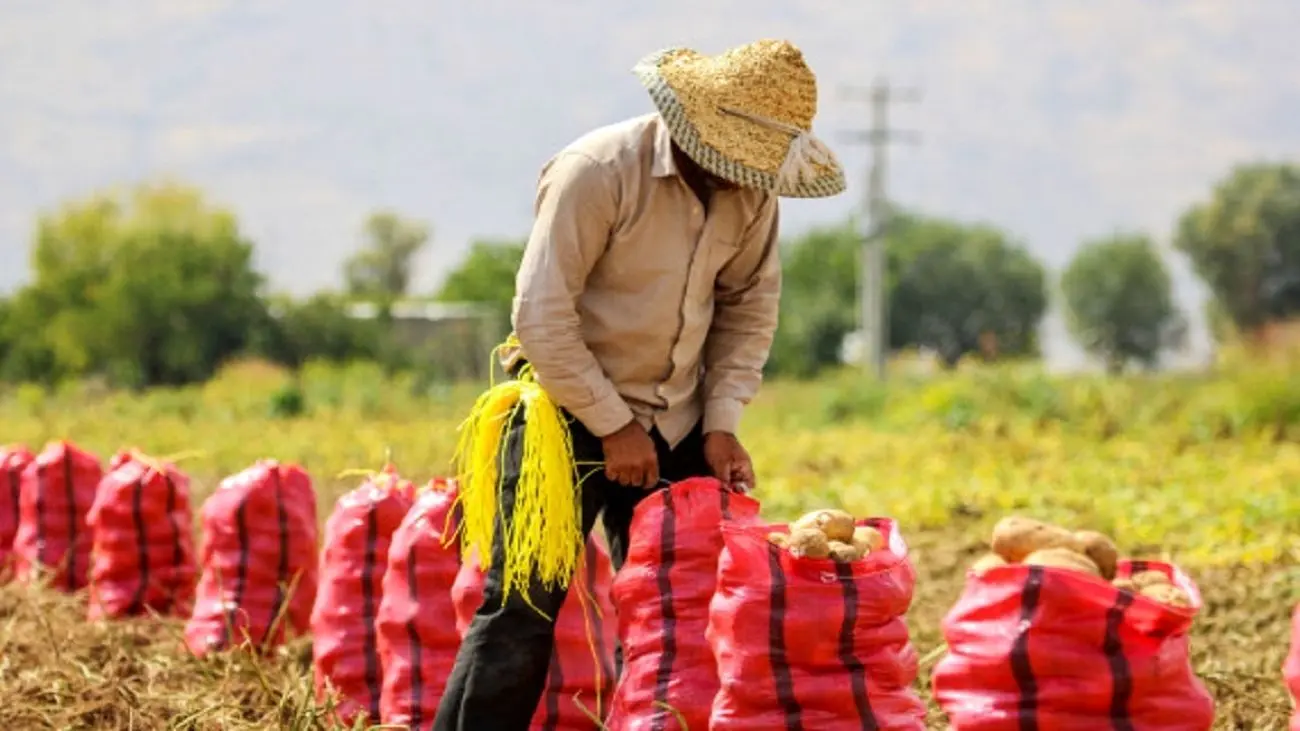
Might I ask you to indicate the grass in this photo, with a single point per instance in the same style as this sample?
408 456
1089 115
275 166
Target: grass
1202 471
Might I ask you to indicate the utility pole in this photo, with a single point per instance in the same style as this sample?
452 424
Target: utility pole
873 316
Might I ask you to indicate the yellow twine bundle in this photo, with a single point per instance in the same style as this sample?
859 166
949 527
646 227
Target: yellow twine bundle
544 538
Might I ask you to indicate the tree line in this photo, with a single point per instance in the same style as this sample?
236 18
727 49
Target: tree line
156 286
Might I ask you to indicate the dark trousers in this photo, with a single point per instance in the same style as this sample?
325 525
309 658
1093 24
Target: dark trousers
501 669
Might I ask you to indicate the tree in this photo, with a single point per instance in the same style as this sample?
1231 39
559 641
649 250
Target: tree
382 270
318 327
486 275
953 284
818 300
1119 300
148 287
1245 243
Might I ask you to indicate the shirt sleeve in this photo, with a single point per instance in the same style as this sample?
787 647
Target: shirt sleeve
575 210
747 294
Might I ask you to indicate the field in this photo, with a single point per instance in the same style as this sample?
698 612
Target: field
1200 470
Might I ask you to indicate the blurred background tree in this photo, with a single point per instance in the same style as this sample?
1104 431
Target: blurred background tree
1244 242
486 275
1119 300
150 286
382 270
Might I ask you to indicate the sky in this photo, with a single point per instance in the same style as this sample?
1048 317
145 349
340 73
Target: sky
1059 121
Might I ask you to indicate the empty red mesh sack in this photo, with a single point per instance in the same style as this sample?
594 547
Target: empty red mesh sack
1291 668
662 595
582 664
13 460
813 644
142 526
57 490
258 560
416 624
354 558
1032 647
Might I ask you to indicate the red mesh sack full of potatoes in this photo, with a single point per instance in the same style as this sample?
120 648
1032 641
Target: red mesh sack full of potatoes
418 637
582 663
1054 631
141 525
58 488
258 560
13 461
354 559
662 594
808 627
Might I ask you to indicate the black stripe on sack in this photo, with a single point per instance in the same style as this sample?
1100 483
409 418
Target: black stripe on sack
1137 567
142 545
856 669
413 643
368 612
70 491
41 558
598 626
725 504
241 570
776 644
1021 668
282 571
178 550
1121 675
663 581
15 492
554 689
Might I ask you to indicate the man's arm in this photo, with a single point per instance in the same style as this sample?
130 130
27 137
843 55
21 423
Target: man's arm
575 210
746 294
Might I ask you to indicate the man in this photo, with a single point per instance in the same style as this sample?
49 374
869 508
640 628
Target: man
646 305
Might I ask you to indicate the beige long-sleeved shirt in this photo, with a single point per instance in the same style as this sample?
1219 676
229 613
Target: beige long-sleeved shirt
633 301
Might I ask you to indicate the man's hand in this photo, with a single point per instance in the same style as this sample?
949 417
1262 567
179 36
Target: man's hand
630 457
728 460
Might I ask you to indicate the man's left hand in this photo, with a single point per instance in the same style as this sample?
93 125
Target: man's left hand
728 460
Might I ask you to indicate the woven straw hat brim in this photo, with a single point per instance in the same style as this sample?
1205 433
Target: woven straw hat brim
722 162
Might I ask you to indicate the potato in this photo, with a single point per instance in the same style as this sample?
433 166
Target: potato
809 543
1062 558
867 540
843 552
1015 537
1101 549
1124 584
1167 594
836 524
986 562
778 538
1143 579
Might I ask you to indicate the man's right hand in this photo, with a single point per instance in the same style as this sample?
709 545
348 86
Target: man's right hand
630 457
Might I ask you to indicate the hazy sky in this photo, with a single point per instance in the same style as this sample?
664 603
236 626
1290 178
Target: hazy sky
1058 120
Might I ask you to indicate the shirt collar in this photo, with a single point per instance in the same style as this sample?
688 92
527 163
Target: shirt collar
663 165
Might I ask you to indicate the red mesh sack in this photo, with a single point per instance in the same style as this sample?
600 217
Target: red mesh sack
416 624
142 529
582 664
58 488
1031 647
13 460
810 643
662 593
1291 668
258 560
354 558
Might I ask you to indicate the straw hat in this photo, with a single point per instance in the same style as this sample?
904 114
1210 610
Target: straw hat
745 115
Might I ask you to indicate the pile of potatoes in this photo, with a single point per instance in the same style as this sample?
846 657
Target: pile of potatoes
1033 543
829 534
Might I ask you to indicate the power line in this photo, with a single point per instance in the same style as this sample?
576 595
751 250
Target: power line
873 317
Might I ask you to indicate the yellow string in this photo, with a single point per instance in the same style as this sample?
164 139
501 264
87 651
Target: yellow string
544 538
